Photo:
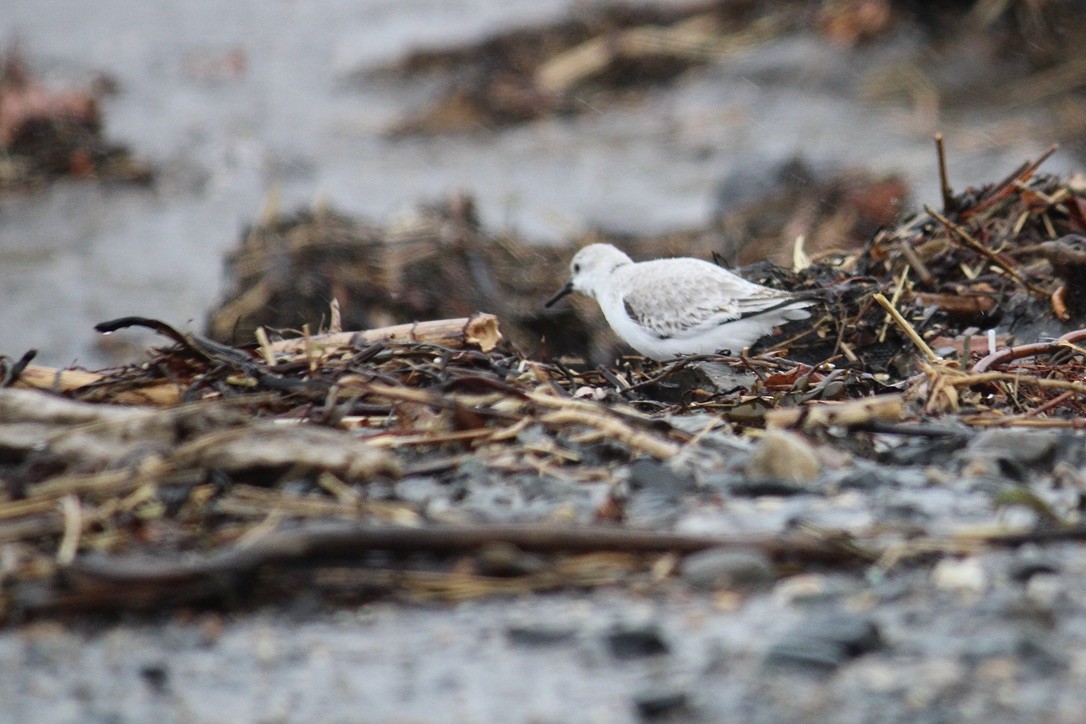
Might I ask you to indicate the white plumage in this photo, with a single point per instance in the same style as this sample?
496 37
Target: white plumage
670 307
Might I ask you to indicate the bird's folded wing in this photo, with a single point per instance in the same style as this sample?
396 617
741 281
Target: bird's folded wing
671 304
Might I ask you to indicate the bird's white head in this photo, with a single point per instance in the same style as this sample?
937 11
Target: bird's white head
590 268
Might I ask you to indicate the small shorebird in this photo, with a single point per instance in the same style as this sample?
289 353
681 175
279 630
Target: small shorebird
670 307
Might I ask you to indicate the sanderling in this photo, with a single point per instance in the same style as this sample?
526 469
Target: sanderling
670 307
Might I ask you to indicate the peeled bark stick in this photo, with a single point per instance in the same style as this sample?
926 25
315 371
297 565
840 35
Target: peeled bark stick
884 408
35 377
479 330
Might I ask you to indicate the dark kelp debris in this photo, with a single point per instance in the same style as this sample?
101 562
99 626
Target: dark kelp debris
47 134
603 55
437 461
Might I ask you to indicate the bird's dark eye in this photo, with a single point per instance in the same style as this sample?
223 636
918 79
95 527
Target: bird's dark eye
576 268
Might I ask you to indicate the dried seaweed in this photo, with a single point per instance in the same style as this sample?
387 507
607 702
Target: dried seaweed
215 472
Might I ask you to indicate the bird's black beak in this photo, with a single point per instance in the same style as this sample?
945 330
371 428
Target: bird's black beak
567 289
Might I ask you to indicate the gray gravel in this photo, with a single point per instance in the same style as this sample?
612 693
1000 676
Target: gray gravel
994 635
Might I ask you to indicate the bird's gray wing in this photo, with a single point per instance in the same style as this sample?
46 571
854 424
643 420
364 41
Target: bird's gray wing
671 301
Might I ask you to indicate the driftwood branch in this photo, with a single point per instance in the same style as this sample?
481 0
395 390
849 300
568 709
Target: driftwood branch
145 582
479 331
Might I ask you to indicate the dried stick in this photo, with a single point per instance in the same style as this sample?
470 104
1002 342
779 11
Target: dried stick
1006 187
907 328
56 380
970 380
882 408
351 540
944 182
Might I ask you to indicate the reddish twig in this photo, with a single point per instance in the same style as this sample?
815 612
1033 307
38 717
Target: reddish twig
1009 354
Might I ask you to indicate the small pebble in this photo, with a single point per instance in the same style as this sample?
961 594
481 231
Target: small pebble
1022 570
507 561
1044 589
635 642
966 574
646 474
783 456
826 641
661 700
539 634
811 588
1021 446
157 677
728 568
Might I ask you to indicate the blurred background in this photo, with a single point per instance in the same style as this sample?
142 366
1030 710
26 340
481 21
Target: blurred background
655 118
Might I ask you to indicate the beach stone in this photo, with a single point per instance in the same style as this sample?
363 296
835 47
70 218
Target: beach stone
1039 654
539 633
662 700
808 589
636 641
1044 589
420 489
507 561
707 376
728 568
783 456
825 641
1021 570
1024 447
965 575
806 653
744 488
648 474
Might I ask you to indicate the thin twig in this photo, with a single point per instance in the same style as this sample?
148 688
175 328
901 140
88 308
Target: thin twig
1006 187
944 182
907 328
